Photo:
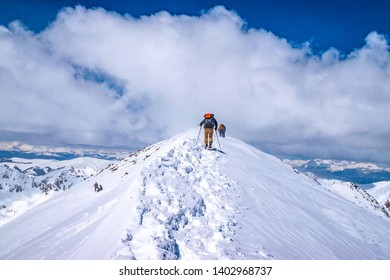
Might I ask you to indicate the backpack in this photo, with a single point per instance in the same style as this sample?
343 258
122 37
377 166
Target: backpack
209 120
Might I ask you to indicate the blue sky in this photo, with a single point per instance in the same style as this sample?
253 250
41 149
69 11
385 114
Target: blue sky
298 78
325 24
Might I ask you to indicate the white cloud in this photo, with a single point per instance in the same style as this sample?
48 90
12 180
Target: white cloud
98 77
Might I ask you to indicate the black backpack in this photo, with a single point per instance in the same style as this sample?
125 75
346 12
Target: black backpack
209 122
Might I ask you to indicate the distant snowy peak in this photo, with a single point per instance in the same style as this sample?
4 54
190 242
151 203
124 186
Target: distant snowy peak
13 179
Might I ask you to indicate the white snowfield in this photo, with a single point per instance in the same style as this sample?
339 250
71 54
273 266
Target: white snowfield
175 200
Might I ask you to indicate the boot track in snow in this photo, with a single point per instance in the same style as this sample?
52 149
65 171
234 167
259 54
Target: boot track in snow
180 192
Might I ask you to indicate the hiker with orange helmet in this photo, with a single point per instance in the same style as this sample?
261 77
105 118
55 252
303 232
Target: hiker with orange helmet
209 124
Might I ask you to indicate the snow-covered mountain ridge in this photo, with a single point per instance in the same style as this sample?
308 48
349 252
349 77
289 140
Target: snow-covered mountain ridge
175 200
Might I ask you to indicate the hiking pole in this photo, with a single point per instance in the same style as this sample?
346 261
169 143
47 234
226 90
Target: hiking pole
218 141
200 128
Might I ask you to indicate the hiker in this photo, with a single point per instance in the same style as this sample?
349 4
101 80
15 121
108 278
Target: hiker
222 130
209 123
96 185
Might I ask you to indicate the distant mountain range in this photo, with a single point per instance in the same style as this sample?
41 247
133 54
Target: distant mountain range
350 171
361 173
28 151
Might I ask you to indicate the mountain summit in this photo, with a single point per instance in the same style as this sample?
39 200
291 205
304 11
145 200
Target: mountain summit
176 200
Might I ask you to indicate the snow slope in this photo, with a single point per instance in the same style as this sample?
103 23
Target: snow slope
175 200
363 198
25 183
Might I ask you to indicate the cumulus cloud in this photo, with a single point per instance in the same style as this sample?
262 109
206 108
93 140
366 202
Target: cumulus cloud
98 77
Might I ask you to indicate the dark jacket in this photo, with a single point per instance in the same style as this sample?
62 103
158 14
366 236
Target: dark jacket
209 123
